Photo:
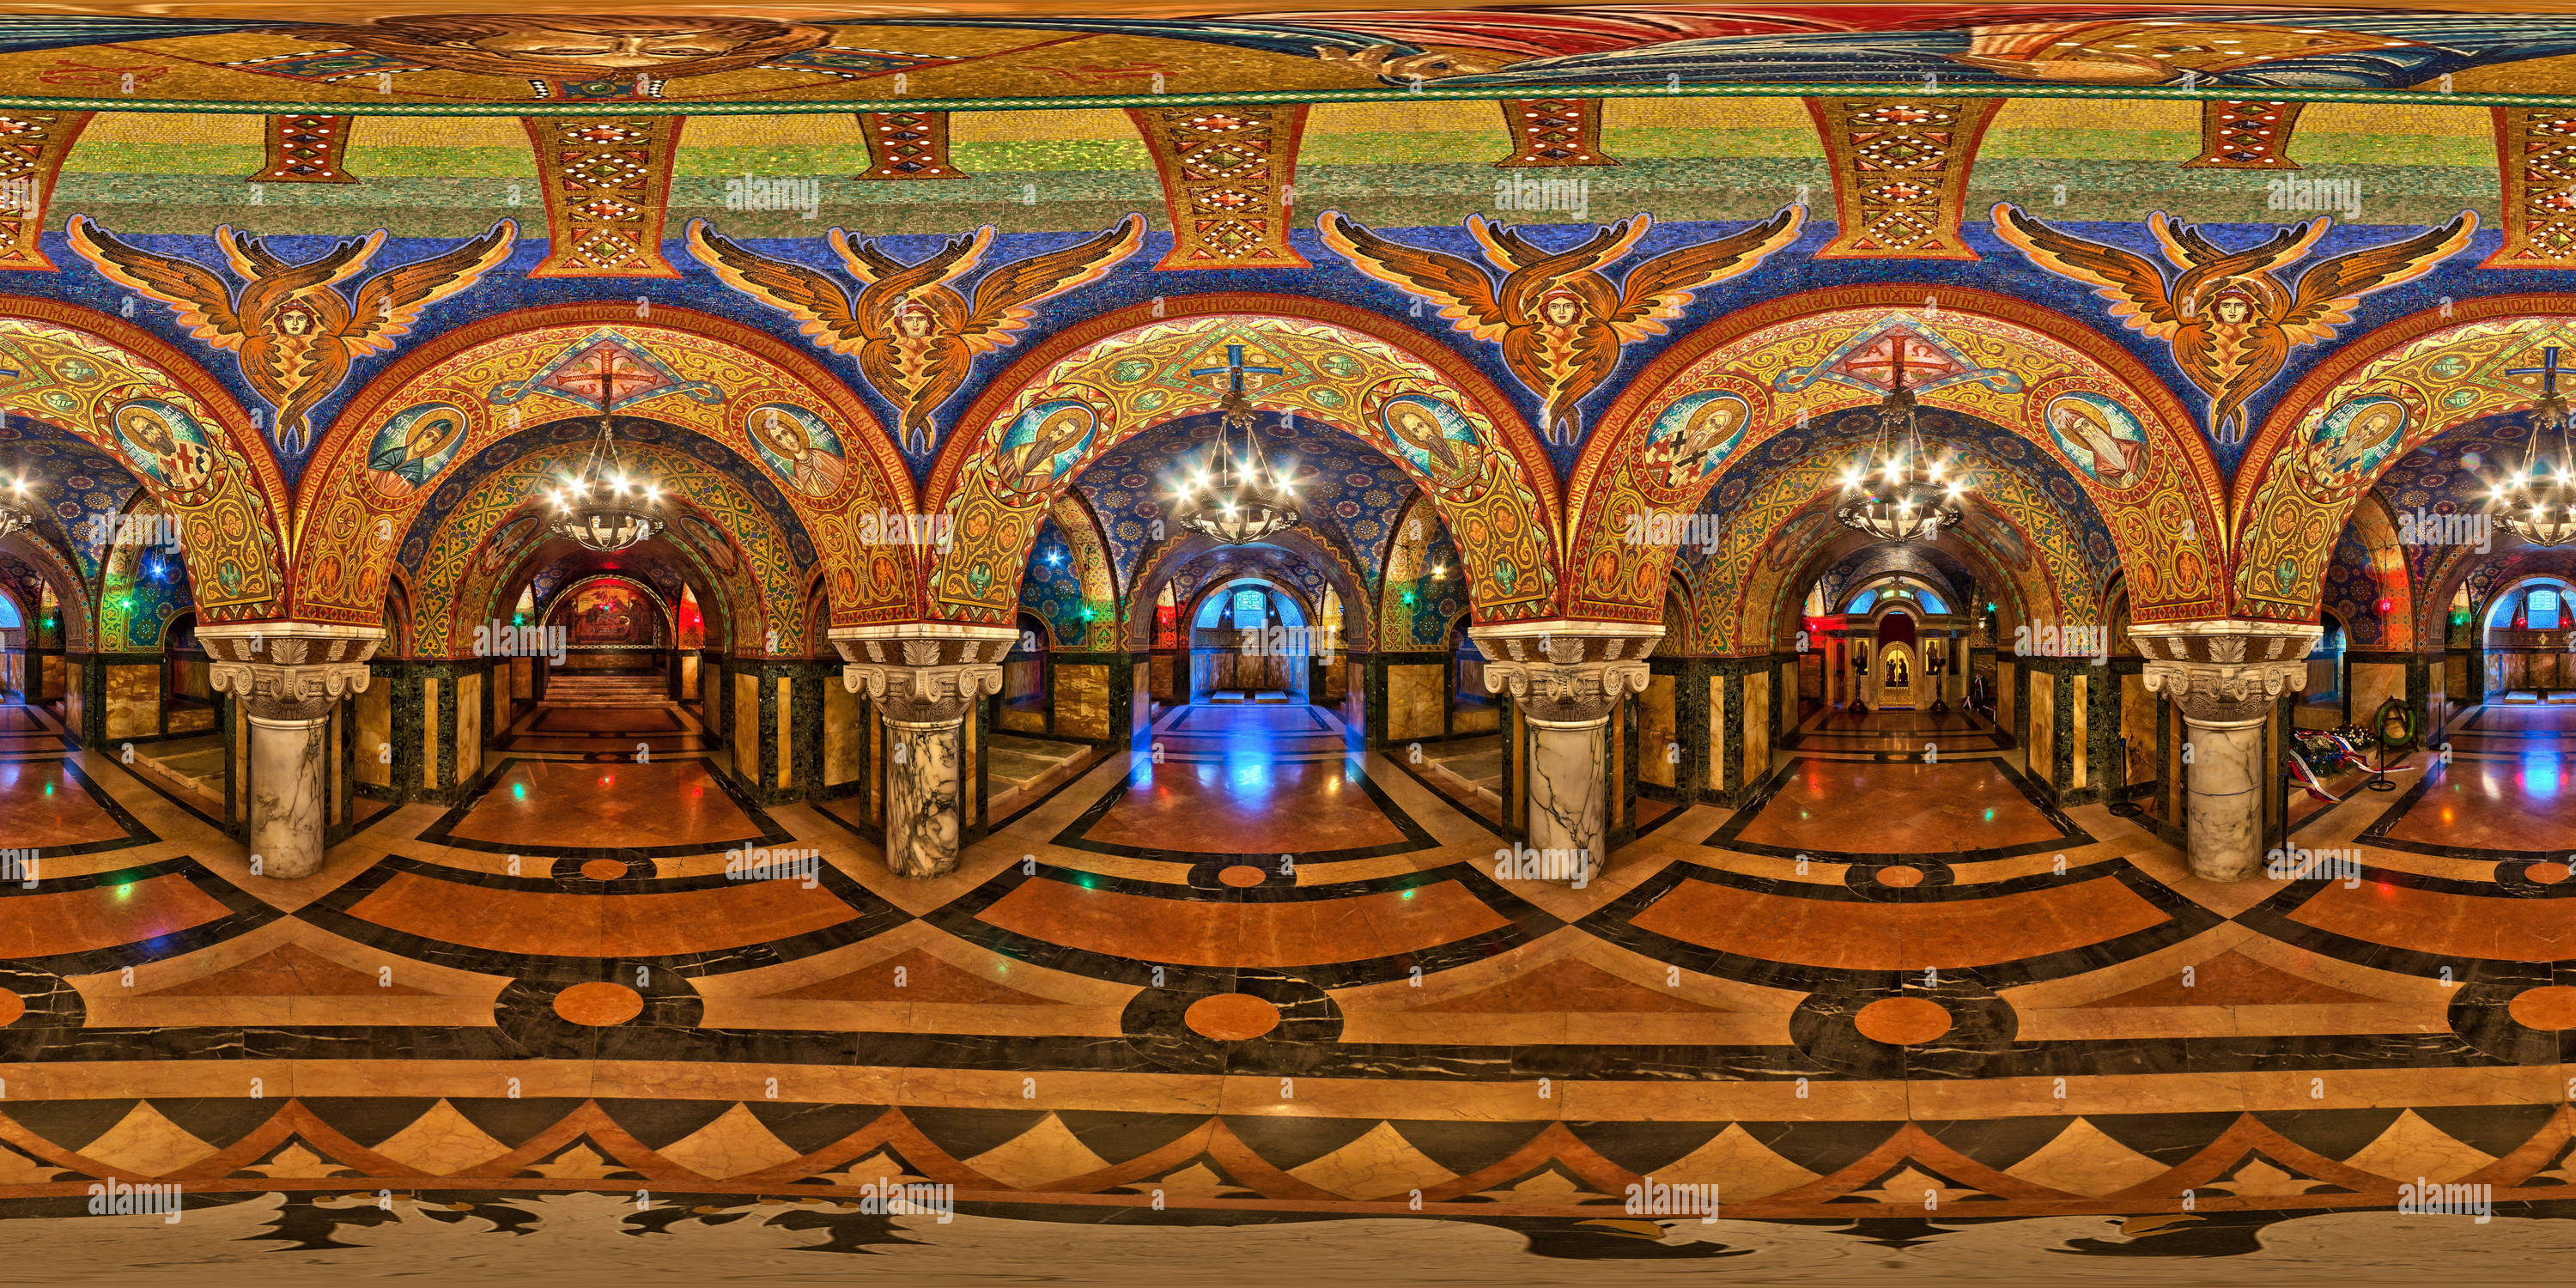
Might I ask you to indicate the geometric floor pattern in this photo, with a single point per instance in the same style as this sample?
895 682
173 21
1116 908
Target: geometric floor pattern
1266 979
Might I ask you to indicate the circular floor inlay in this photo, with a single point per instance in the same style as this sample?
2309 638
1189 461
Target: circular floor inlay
2547 873
599 1004
2550 1007
1241 875
1231 1017
603 869
1902 1021
1900 876
11 1007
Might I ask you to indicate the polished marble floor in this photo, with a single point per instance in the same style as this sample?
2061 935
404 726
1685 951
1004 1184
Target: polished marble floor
1266 1002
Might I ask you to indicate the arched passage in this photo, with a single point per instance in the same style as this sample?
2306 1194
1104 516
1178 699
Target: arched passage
455 399
1758 385
1051 414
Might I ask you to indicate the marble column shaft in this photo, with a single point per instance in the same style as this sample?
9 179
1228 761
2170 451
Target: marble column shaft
1567 677
289 676
925 684
2227 677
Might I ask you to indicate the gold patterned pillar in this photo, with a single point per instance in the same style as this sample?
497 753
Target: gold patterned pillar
1550 132
907 145
1900 168
1229 177
2536 151
2246 134
305 148
607 182
32 148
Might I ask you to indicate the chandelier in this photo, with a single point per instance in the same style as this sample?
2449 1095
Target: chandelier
1905 498
1242 497
2540 510
15 516
602 509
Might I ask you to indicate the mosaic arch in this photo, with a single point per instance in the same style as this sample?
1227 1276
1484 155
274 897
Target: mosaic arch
2356 415
142 588
2368 565
481 546
1751 586
1069 584
32 563
1784 576
1093 386
172 426
1297 556
761 399
1721 396
2029 514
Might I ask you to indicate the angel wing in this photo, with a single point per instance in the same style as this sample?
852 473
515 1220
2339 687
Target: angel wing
2329 291
809 296
203 301
392 300
2135 286
926 280
1658 290
1004 298
1464 291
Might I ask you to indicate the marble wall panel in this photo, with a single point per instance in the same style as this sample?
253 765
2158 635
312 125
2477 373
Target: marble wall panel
75 695
1757 727
1655 731
2041 764
133 701
784 693
469 727
376 733
841 734
2374 683
2138 728
1416 701
746 728
1082 701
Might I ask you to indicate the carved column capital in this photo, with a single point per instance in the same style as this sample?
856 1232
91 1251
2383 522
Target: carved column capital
1565 671
2225 672
289 670
923 673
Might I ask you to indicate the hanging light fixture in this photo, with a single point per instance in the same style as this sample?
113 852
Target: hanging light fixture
1238 498
603 509
17 502
2535 503
1905 498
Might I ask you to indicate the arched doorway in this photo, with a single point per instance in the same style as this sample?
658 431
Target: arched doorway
2526 631
1249 643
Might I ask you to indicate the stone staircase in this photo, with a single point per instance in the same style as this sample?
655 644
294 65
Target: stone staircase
573 689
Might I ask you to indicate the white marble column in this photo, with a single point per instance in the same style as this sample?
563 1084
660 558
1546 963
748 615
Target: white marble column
1568 785
1566 676
924 677
289 676
2228 677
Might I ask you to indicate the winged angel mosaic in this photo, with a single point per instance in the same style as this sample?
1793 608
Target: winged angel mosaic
293 330
1559 320
2229 317
916 336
